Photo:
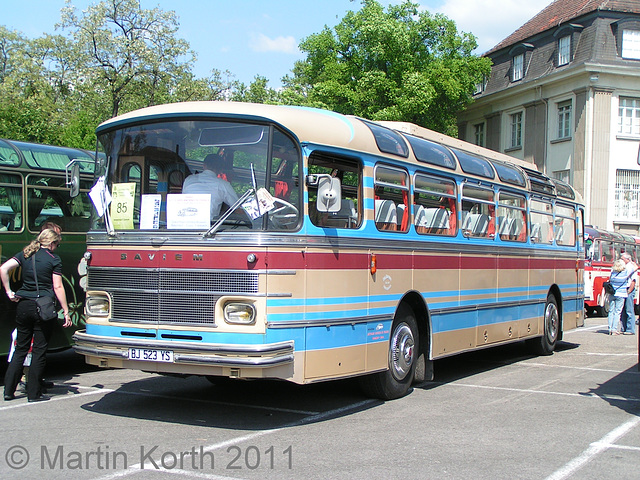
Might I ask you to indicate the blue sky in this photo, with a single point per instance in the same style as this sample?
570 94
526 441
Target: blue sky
260 37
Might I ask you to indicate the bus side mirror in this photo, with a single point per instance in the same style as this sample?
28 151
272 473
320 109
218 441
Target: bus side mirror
74 181
329 193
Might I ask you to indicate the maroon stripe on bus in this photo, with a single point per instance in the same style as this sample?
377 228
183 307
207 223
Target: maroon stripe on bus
297 260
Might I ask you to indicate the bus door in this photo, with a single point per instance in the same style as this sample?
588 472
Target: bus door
337 271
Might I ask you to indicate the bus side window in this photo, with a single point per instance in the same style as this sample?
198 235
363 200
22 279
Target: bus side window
478 212
391 205
349 172
511 217
434 204
10 203
541 222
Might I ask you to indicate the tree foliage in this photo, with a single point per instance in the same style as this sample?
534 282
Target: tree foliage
133 55
399 64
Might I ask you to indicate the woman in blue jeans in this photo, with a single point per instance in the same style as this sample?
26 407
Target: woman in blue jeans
620 282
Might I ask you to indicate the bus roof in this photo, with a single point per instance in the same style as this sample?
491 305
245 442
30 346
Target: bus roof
324 127
595 232
46 157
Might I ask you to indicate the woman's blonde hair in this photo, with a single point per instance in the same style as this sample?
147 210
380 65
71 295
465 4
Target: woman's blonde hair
46 238
618 265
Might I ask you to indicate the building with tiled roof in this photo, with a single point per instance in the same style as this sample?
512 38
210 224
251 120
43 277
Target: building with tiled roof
564 93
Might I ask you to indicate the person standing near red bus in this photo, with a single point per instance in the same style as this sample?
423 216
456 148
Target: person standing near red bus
628 315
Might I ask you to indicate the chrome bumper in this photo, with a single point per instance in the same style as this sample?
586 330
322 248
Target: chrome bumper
269 355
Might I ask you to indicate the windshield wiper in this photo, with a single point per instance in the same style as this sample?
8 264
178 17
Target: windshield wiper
214 228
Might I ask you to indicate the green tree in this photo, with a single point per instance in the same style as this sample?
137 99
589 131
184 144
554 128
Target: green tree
130 54
400 64
258 91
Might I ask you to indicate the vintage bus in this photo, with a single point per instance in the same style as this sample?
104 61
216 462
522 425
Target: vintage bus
355 248
602 248
33 190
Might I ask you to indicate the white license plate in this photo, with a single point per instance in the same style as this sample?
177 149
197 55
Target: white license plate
151 355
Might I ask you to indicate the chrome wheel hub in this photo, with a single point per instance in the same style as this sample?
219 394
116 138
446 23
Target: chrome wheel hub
401 352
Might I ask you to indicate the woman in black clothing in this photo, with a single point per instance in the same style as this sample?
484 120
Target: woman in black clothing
30 327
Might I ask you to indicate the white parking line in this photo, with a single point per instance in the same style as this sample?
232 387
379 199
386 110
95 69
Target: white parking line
543 392
586 329
594 449
59 398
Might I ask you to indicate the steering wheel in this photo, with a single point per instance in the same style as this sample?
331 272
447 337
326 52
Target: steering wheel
284 216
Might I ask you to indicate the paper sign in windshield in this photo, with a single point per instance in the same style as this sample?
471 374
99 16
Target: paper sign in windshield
188 211
122 205
260 204
150 212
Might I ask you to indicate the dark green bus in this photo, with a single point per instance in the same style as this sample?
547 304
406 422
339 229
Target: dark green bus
34 190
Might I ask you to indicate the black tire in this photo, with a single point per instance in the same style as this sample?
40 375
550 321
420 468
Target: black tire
403 355
546 344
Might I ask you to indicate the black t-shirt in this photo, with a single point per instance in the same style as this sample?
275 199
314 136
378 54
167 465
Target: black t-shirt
47 265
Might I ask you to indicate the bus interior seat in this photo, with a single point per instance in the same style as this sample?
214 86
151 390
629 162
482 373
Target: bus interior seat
420 219
476 224
559 233
386 215
504 225
536 232
400 214
346 217
439 218
517 228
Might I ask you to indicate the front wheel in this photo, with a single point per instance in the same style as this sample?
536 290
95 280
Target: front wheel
546 344
402 358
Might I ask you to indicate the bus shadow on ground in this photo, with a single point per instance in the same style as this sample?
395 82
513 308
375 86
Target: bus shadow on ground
232 404
465 365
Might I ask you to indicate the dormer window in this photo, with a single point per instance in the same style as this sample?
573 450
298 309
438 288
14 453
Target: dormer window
479 87
627 34
566 36
564 50
518 60
631 44
517 70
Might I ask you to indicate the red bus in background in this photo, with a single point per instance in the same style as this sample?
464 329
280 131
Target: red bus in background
602 248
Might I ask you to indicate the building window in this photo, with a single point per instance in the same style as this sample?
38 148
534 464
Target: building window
631 44
629 116
564 50
518 68
480 86
627 196
479 134
516 130
562 175
564 120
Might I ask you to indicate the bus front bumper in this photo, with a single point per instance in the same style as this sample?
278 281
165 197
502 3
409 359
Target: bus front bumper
183 353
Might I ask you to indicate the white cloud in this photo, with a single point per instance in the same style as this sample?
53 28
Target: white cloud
261 43
491 21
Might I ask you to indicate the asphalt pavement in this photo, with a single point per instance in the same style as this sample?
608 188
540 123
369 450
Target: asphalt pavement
491 414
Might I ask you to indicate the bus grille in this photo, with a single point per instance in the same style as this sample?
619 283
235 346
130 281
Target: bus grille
162 296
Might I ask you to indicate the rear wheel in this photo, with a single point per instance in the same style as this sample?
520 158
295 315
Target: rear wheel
402 359
546 344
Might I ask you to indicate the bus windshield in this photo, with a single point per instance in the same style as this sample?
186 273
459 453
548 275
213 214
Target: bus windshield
186 174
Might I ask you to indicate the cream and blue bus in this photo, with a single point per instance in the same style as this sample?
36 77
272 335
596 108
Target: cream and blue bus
33 191
355 248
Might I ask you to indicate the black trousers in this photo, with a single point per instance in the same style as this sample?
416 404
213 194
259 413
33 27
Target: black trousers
29 327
